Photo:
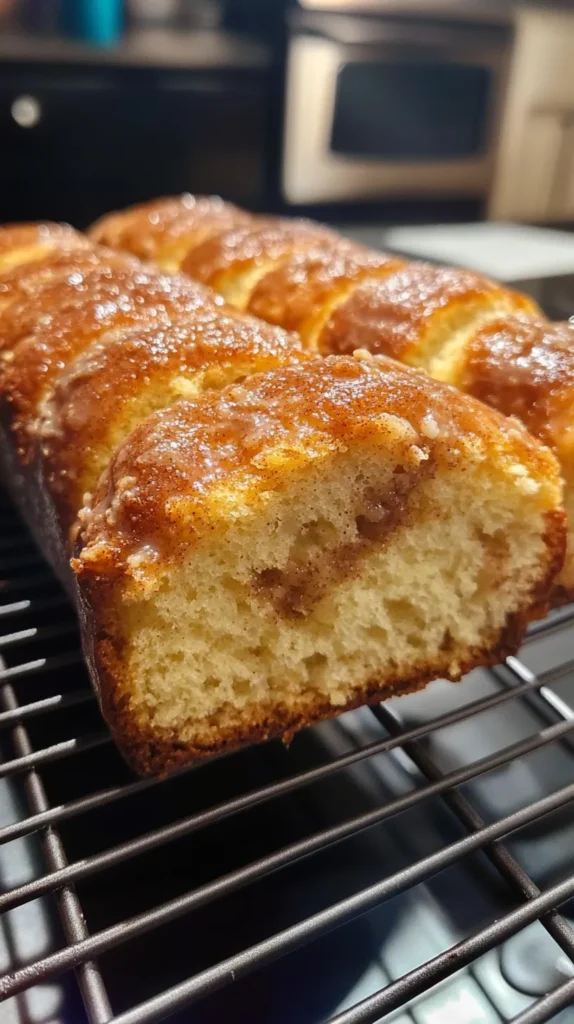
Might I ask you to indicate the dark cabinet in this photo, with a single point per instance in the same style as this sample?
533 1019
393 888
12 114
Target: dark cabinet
74 143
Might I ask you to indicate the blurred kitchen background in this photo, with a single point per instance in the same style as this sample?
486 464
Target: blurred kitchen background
362 111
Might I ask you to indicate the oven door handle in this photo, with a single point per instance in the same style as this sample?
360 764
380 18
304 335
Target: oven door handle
412 35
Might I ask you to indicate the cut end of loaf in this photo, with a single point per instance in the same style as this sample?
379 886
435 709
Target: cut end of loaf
335 563
314 606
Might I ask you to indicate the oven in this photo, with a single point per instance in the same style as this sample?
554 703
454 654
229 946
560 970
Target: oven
380 107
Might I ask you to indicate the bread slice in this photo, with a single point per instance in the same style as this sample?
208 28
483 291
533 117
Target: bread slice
524 366
27 291
417 312
127 374
42 333
305 288
165 229
317 537
26 243
234 261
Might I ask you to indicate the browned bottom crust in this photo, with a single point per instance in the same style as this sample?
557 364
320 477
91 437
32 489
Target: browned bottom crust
561 596
158 752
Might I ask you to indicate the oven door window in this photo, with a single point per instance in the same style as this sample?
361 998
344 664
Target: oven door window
420 111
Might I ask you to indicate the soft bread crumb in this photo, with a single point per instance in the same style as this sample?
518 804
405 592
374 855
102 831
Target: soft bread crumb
212 647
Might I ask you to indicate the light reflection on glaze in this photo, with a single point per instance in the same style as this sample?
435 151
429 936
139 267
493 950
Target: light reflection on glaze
43 335
300 285
525 367
257 242
389 316
96 397
150 229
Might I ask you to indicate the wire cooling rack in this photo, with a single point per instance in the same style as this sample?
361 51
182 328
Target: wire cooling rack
99 835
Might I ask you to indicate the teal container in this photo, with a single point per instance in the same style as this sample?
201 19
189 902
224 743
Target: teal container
95 21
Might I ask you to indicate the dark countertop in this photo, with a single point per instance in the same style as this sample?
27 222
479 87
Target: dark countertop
159 48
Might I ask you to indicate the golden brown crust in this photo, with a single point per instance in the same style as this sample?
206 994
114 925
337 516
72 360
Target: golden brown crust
22 242
24 282
68 318
94 403
164 229
256 244
161 479
12 236
393 315
524 367
112 229
561 596
293 293
38 292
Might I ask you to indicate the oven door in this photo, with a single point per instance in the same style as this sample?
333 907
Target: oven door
376 109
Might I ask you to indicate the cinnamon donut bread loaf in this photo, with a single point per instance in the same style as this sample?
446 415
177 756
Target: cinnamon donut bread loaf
340 296
322 535
257 537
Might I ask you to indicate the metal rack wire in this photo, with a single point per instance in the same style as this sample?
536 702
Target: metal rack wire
29 595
